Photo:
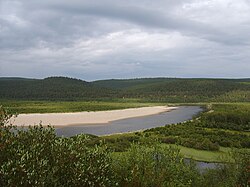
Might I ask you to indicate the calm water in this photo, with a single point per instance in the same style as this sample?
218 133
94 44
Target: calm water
178 115
203 166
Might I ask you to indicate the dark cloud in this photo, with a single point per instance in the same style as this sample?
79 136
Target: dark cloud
94 40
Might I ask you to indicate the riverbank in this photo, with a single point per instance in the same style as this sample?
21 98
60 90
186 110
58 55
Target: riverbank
28 107
83 118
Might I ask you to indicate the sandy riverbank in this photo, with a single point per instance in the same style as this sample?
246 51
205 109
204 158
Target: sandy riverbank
83 118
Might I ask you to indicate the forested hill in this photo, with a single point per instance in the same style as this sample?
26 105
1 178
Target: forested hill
146 82
182 90
51 88
146 89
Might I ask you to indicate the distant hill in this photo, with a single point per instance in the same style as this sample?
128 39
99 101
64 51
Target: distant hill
182 90
128 83
146 89
51 88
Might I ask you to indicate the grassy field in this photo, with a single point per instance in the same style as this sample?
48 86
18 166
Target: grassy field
68 106
221 156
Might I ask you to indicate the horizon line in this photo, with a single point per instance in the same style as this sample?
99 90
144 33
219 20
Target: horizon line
130 78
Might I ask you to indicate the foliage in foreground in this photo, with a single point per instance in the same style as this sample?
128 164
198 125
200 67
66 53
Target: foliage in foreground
153 166
37 157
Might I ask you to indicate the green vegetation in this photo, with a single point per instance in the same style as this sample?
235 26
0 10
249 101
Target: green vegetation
121 143
153 166
229 116
194 138
53 88
211 130
154 157
171 90
182 90
37 157
192 134
67 106
222 155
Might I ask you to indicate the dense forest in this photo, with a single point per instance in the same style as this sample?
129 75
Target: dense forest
182 90
145 89
53 88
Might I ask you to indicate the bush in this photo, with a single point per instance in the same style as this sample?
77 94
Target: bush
169 140
36 157
153 166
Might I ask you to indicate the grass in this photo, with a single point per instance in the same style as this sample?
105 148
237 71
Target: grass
208 156
221 156
69 106
228 131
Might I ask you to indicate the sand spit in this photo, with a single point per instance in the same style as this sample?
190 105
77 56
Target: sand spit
86 118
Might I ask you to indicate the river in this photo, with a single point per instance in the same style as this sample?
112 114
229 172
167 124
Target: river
181 114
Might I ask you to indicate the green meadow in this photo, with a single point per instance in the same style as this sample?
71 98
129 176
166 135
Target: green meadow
69 106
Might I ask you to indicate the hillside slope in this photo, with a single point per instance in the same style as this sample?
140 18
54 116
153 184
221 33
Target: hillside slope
52 88
146 89
182 90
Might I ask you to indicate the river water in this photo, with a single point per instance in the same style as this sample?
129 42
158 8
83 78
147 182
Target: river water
178 115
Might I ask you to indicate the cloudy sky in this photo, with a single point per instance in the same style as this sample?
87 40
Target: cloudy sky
91 39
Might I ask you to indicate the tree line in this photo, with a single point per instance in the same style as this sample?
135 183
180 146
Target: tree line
150 90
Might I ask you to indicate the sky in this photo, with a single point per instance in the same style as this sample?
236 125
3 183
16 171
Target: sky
91 39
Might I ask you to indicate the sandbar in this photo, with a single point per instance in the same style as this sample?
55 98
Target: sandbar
86 118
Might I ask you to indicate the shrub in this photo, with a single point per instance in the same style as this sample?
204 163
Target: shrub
152 166
36 157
